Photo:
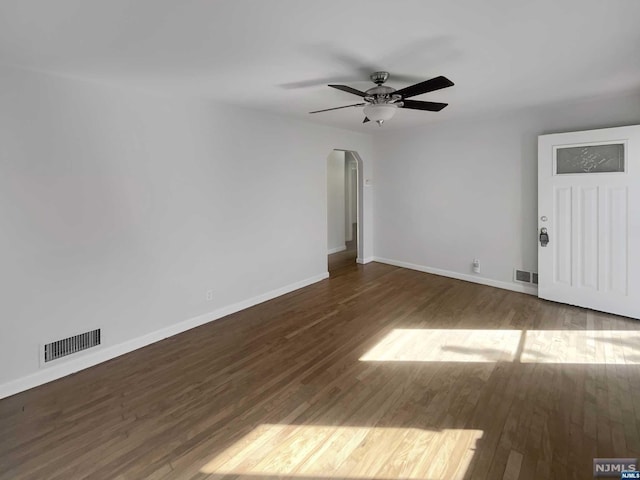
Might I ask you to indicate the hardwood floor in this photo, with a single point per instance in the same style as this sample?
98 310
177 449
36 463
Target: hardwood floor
337 261
378 372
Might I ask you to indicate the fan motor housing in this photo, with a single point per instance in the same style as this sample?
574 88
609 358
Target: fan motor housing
381 94
380 90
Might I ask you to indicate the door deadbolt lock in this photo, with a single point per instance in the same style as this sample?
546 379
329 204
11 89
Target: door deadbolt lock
544 237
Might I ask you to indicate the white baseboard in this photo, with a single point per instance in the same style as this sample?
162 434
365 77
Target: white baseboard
365 260
336 250
528 289
102 354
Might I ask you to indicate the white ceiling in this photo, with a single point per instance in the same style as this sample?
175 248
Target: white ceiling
278 55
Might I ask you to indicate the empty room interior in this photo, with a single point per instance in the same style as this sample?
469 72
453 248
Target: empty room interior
283 239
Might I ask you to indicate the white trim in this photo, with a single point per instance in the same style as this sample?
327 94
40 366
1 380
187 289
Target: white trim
528 289
365 260
108 352
336 250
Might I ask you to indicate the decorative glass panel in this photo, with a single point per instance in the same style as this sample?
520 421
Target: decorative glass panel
590 159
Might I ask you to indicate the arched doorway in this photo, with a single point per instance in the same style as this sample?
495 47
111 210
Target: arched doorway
345 219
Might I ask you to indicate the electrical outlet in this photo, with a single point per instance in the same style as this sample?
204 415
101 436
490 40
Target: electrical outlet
476 265
209 295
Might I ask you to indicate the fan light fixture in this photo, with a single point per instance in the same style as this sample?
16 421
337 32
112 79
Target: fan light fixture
379 112
381 102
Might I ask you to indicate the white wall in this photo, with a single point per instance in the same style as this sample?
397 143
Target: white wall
121 209
336 202
448 193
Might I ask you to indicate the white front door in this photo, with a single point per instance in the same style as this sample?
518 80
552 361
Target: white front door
589 204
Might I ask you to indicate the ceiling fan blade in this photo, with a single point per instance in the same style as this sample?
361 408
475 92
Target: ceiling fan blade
366 119
423 87
418 105
315 82
347 89
338 108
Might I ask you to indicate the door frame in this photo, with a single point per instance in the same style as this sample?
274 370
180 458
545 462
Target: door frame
359 201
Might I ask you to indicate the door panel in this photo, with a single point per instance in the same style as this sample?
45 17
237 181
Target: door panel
617 240
589 202
562 245
589 239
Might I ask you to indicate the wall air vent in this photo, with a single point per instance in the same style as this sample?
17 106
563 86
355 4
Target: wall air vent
68 346
522 276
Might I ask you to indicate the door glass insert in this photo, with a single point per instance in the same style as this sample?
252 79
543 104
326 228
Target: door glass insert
590 159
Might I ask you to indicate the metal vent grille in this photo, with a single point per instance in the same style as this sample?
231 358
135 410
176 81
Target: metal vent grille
534 278
68 346
522 276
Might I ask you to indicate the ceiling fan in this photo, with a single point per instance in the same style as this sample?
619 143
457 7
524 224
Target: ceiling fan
381 102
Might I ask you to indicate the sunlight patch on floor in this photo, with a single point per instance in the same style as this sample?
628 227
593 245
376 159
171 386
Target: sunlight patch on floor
326 451
599 347
445 345
608 347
